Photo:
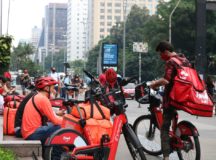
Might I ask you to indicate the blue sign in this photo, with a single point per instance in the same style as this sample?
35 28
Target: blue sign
110 54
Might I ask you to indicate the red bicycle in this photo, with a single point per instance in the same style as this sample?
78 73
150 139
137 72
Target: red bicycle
183 135
68 143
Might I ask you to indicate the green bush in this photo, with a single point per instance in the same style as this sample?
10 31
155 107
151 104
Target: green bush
6 154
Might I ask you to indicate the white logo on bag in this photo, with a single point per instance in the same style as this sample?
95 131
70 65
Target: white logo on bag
202 96
183 74
66 139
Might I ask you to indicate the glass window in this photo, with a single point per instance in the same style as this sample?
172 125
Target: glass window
109 4
117 4
101 17
102 4
101 29
117 10
109 10
109 17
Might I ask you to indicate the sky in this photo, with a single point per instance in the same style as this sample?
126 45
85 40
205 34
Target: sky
24 15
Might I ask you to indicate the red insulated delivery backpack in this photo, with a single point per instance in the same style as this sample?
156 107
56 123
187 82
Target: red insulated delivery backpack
189 92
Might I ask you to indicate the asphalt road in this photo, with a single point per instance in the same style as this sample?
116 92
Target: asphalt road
205 126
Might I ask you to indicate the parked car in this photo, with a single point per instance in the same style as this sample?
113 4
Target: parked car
129 91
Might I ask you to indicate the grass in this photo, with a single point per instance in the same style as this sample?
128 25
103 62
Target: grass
6 154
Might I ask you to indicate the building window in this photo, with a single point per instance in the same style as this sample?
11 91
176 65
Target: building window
117 4
101 10
109 23
101 36
109 4
117 10
109 17
101 29
117 18
102 4
102 23
101 17
109 10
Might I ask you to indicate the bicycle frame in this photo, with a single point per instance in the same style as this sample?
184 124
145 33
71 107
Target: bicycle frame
182 128
112 145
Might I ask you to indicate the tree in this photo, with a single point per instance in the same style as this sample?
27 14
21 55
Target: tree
20 59
5 53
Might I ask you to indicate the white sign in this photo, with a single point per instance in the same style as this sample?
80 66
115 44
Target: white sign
140 47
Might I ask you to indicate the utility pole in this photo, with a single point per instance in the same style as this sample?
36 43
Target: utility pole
124 36
0 17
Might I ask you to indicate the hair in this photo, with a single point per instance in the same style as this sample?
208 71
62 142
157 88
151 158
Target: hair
164 45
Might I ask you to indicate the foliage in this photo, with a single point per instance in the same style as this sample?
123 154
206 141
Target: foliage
7 154
20 59
77 66
5 52
58 61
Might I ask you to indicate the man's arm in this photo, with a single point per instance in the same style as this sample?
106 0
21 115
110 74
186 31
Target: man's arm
157 83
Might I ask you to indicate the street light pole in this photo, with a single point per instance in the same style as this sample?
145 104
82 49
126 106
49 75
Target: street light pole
124 35
170 21
1 17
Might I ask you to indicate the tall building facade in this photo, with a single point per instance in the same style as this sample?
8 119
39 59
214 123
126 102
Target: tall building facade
55 28
103 14
77 33
35 37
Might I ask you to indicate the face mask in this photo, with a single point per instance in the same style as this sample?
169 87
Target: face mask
164 57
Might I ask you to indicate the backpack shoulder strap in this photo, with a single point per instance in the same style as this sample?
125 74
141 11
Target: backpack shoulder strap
43 118
33 101
176 60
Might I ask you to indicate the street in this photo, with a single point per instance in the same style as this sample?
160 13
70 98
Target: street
205 126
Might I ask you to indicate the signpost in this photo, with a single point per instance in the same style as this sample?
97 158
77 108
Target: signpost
140 47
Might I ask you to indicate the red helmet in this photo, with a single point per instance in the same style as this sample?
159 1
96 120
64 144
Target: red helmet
111 76
45 81
102 79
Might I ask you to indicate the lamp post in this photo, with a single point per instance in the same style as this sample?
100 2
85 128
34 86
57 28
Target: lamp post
170 21
65 53
52 53
0 17
124 36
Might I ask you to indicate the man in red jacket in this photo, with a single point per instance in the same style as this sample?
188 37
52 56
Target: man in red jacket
166 52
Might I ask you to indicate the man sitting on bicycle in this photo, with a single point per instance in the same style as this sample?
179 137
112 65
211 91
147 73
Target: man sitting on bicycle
166 52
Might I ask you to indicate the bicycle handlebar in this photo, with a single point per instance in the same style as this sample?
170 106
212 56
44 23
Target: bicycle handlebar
124 82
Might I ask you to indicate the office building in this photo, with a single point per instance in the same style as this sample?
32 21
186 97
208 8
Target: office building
55 27
77 31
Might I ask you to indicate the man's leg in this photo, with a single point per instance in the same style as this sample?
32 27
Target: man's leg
43 133
168 114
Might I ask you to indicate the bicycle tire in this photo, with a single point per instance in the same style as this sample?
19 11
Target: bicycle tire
185 153
151 142
60 152
136 153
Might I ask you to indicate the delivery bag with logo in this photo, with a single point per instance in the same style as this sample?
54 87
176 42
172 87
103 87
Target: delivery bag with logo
189 92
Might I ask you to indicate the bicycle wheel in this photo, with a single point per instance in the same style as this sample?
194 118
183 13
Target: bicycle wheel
191 150
62 151
133 142
148 134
